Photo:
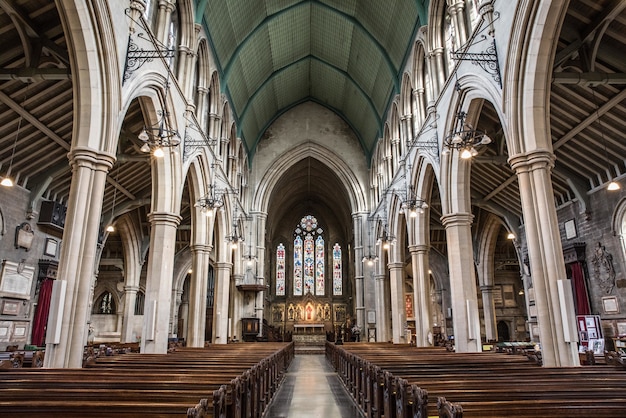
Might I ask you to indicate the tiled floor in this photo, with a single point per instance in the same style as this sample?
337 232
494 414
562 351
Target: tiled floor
311 389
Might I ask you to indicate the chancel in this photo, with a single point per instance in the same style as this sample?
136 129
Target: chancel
315 207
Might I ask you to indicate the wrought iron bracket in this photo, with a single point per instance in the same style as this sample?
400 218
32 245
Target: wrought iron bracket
429 146
137 57
487 60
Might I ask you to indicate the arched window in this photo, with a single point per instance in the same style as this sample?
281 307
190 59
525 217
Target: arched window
280 270
337 271
139 303
105 304
309 262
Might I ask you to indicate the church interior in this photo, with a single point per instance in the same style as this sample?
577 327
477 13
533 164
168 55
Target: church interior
414 174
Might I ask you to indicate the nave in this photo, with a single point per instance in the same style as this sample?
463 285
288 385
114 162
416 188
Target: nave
312 389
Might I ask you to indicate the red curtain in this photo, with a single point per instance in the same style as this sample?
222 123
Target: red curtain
581 299
41 316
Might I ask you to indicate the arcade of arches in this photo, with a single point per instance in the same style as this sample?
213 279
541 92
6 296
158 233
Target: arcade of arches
311 177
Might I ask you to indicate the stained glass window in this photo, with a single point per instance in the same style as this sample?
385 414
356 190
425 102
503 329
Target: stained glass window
319 265
309 262
337 276
297 266
280 270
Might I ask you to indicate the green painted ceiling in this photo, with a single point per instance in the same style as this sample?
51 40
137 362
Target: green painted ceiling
346 55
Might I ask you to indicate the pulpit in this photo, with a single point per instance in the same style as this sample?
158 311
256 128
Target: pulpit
250 329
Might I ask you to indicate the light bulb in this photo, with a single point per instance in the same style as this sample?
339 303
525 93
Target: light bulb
143 135
158 152
486 140
7 182
612 186
110 228
413 213
466 154
145 148
510 236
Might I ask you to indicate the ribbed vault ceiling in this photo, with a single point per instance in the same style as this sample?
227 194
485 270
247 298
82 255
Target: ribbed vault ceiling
344 54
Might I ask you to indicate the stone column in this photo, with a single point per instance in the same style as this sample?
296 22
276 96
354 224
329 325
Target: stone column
465 318
130 298
201 105
398 311
186 63
437 70
222 288
261 219
159 278
196 323
421 295
164 17
360 223
78 255
456 9
546 257
177 295
489 312
382 309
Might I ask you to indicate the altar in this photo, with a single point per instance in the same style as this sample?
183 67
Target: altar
308 329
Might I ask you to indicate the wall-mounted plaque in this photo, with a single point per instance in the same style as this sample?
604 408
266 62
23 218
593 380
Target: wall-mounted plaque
16 279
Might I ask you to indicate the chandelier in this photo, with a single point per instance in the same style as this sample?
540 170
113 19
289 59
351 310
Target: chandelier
414 205
236 237
159 136
209 203
464 138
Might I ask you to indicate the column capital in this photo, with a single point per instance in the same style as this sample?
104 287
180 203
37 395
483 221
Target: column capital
533 160
223 265
88 157
395 265
457 219
164 218
134 289
419 248
200 248
379 276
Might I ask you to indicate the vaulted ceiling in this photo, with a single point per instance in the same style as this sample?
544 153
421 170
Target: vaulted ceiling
347 55
343 54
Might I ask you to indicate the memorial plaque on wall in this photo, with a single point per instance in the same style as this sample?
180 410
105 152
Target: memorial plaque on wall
16 280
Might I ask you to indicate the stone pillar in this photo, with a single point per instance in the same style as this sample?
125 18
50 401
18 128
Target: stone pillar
164 17
196 323
130 298
437 70
489 312
456 9
465 318
360 223
201 105
545 253
382 309
398 311
261 219
77 261
186 64
133 263
222 288
159 278
177 296
421 295
408 133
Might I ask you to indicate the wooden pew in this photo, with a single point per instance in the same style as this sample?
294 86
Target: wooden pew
132 385
395 379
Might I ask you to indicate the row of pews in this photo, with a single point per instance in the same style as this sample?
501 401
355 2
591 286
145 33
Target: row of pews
234 380
398 381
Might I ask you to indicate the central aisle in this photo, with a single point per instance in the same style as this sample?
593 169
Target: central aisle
312 389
